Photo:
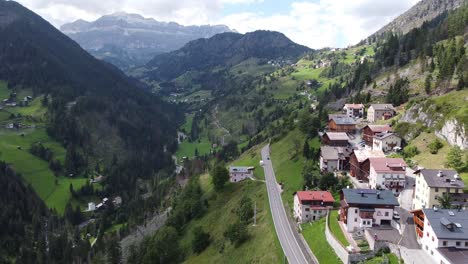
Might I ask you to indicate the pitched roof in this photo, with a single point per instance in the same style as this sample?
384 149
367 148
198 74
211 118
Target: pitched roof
240 169
369 197
379 128
344 121
337 136
384 135
334 153
324 196
442 178
454 255
354 106
388 165
382 106
332 116
365 153
448 224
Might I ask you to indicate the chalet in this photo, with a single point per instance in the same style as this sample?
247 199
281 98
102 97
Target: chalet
334 158
354 110
387 173
432 184
346 125
237 174
369 131
338 139
386 142
378 112
360 164
312 205
443 234
364 208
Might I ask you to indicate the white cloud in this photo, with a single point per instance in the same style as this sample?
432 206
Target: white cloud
317 24
325 23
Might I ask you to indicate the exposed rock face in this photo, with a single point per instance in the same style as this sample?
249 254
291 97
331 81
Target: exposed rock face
131 40
450 130
454 133
423 11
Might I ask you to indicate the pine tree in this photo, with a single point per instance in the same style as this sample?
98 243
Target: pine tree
306 150
427 84
461 82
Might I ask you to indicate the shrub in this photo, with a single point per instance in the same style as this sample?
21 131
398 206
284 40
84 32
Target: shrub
410 151
201 240
434 146
237 233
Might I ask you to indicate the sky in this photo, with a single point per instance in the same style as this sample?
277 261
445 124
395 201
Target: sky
314 23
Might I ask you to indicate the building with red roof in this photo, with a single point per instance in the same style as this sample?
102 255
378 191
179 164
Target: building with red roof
387 173
312 205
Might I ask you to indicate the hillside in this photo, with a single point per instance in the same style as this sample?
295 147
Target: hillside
223 50
129 40
423 11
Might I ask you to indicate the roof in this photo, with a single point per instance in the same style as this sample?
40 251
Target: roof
379 128
240 169
365 153
344 121
354 106
382 107
388 165
447 223
369 197
324 196
334 153
384 135
332 116
454 255
337 136
442 178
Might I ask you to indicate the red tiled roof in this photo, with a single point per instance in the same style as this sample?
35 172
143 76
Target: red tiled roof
388 164
324 196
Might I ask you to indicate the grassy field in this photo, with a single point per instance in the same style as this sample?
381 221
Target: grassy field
432 161
187 149
252 158
4 91
53 190
336 229
314 234
288 169
263 245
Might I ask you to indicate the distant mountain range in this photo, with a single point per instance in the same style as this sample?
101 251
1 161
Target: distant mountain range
423 11
128 40
224 50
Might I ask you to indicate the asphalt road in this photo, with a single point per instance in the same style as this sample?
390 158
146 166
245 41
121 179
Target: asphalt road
285 234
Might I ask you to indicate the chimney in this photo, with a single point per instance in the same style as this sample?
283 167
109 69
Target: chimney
435 208
378 195
362 194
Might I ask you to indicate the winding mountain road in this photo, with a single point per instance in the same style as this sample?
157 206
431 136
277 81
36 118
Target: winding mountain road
288 241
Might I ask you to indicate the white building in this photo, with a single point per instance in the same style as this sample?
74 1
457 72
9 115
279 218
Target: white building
91 206
443 234
364 208
311 205
387 173
354 110
237 174
386 142
432 184
378 112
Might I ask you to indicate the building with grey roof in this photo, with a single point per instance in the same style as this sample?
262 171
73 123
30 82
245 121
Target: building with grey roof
443 234
237 174
432 184
364 208
334 158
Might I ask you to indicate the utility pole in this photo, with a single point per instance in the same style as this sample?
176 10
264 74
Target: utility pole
255 214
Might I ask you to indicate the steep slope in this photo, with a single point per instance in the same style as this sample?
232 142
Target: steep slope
224 50
423 11
94 110
129 39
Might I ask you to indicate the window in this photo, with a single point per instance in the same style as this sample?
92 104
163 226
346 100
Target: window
386 213
427 233
436 189
448 190
307 216
458 243
466 244
355 219
444 243
456 190
427 248
307 209
355 211
432 238
432 252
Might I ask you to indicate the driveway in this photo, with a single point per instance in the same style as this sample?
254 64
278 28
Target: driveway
284 231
